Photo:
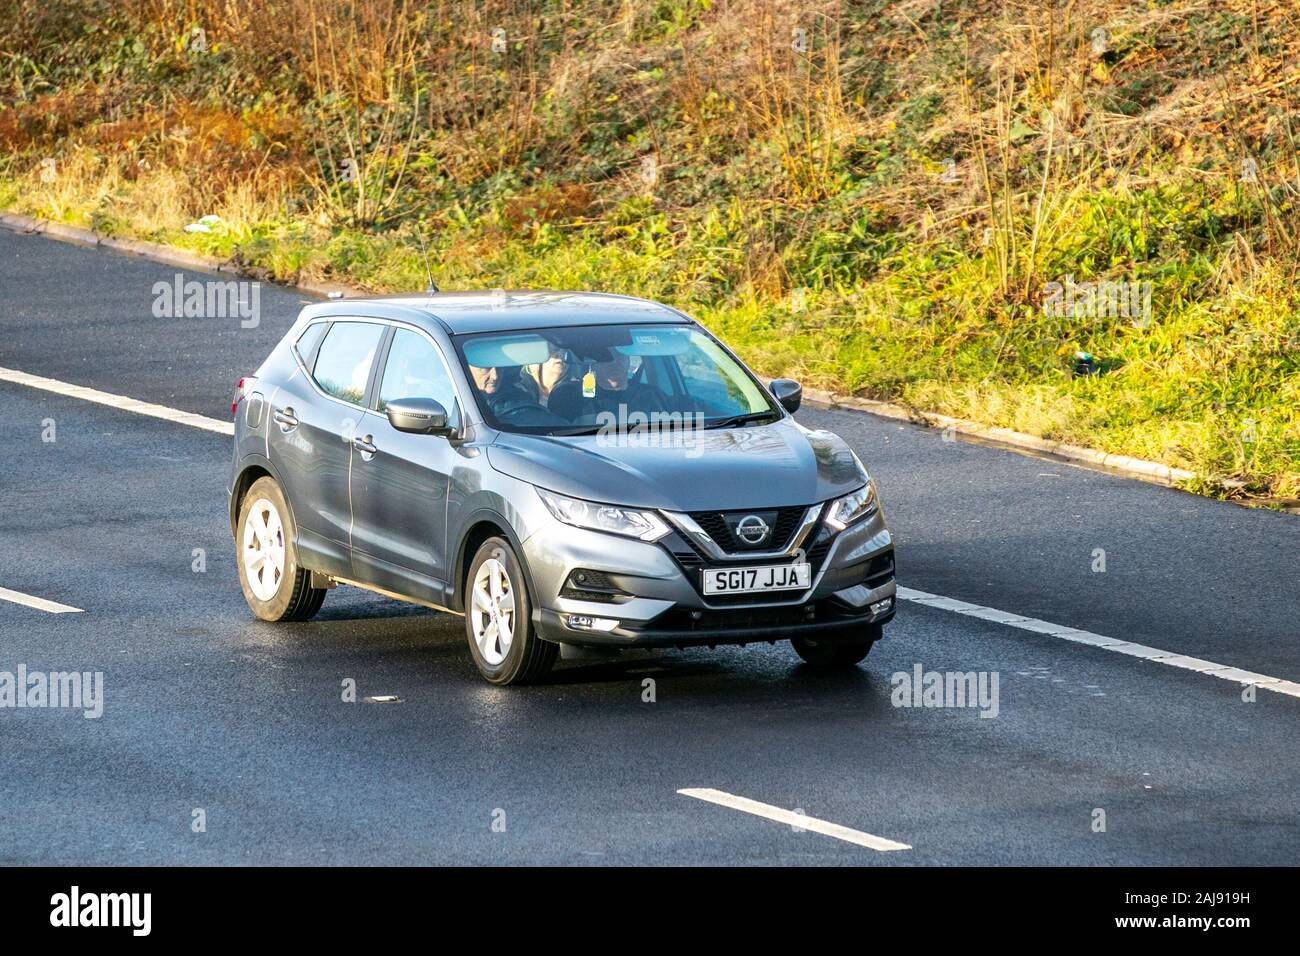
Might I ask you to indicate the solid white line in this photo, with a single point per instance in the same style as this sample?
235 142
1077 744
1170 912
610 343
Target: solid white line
54 607
117 401
745 805
1129 648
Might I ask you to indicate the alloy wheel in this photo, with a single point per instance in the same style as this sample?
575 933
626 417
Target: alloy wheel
492 611
263 550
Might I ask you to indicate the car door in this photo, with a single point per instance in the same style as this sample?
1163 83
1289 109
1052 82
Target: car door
314 421
399 483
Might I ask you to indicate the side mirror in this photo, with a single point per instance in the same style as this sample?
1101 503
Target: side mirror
420 416
788 392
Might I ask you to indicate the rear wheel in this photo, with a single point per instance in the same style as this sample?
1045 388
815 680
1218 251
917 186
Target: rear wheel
275 586
498 619
836 652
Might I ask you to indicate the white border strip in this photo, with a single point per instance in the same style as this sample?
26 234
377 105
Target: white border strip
1005 438
1130 648
769 812
53 607
117 401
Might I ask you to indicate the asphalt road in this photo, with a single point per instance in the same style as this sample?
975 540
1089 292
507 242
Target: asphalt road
207 709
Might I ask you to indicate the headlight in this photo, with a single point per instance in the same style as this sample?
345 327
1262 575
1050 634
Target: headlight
629 522
852 507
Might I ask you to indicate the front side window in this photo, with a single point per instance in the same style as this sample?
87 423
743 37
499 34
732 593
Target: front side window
571 380
343 365
415 369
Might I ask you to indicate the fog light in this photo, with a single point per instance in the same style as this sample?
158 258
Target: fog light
880 607
582 622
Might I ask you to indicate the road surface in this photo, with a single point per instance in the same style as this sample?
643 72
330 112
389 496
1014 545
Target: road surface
225 740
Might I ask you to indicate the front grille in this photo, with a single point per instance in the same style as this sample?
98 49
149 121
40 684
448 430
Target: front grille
685 554
819 547
783 525
691 560
685 619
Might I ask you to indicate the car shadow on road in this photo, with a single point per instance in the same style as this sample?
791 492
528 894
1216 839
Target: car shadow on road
432 644
729 677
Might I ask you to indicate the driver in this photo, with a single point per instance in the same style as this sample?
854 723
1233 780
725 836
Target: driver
499 388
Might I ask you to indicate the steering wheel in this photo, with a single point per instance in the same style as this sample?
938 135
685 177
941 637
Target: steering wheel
510 411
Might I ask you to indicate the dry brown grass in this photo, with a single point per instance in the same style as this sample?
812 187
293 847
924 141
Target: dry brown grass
920 168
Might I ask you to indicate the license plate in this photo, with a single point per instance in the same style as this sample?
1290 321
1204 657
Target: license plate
774 577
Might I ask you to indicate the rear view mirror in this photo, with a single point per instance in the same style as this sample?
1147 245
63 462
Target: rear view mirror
788 392
420 416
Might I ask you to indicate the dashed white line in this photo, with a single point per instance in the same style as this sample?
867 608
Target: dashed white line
28 600
824 827
1119 646
117 401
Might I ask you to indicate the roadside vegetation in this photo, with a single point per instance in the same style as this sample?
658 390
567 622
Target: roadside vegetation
935 202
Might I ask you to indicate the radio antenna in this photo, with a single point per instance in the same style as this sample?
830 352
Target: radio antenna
428 272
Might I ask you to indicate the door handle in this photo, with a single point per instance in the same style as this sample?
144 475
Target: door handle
286 417
364 445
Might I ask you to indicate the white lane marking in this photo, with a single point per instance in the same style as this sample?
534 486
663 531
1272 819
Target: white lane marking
745 805
53 607
1129 648
1009 618
117 401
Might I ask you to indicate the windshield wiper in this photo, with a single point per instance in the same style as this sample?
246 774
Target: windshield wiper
745 419
575 430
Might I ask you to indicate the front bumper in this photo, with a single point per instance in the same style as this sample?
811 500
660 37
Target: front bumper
661 603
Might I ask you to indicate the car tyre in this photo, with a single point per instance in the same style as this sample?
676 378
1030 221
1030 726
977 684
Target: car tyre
275 585
498 619
835 652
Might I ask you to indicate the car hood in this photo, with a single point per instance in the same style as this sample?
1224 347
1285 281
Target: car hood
758 466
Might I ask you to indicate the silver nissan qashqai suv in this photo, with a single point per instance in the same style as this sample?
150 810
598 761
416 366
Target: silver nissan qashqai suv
558 468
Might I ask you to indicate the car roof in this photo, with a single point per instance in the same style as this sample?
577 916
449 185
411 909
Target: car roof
504 310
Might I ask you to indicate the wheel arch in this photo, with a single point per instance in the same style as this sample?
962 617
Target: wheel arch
481 525
253 468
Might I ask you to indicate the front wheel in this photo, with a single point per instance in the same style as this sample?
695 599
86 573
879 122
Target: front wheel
275 586
498 619
836 653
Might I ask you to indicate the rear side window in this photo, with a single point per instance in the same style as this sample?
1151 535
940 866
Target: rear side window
346 355
415 369
306 343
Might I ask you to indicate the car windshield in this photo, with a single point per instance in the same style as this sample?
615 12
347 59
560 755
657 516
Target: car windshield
582 379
